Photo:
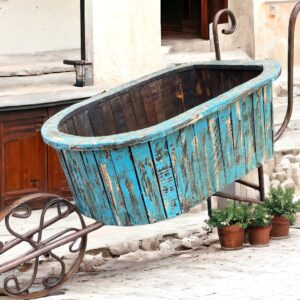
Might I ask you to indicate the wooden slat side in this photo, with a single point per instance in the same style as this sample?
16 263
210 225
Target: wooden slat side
165 177
248 130
102 119
259 126
238 138
190 158
188 83
78 185
145 171
94 181
204 148
83 124
227 144
150 94
201 91
217 158
268 120
112 187
138 107
129 185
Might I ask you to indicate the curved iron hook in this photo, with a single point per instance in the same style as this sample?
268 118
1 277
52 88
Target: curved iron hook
291 49
224 31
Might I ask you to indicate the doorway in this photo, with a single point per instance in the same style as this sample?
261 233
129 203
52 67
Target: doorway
189 18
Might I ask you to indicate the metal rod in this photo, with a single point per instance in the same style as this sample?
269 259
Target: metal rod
209 208
291 49
248 184
224 31
261 183
64 240
32 232
82 29
237 198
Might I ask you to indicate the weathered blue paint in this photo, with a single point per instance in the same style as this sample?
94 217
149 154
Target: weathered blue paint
155 173
97 189
227 144
112 187
259 126
217 156
238 138
146 175
268 120
165 177
248 130
129 185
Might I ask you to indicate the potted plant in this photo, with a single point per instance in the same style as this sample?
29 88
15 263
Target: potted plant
281 206
230 223
259 226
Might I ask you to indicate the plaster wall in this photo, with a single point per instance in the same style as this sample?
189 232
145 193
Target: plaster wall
126 40
39 25
271 31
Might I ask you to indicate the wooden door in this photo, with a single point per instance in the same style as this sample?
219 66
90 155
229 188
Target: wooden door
57 183
23 154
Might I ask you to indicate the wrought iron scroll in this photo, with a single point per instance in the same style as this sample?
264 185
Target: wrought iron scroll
39 246
291 49
231 30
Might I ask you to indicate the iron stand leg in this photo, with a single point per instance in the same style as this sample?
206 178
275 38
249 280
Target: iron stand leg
261 183
209 209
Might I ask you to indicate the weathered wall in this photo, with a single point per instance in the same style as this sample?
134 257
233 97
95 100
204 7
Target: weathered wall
126 39
271 32
39 25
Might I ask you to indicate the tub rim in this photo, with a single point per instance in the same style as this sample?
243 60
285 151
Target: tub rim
52 136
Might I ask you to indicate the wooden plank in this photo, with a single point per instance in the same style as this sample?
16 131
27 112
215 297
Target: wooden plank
112 187
201 90
188 83
77 184
248 131
227 144
95 183
190 157
180 171
102 119
238 138
148 182
150 94
138 107
214 131
204 152
129 185
268 120
165 176
83 124
259 126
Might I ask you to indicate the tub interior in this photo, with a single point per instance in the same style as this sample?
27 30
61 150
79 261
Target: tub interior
158 99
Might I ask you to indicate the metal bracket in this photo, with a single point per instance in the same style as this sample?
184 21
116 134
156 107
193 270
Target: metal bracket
83 70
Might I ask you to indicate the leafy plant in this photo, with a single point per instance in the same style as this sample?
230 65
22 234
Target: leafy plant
234 214
260 216
280 203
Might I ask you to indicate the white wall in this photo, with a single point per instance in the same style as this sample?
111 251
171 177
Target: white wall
39 25
126 37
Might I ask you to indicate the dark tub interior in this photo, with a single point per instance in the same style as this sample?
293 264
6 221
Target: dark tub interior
147 103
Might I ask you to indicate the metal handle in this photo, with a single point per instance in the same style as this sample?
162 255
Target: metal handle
291 48
224 31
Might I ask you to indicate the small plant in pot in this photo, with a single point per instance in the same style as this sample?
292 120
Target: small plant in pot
281 206
230 222
259 226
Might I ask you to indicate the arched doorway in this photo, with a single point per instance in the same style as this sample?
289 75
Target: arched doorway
189 18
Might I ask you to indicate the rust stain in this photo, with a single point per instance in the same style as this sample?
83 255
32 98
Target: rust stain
199 90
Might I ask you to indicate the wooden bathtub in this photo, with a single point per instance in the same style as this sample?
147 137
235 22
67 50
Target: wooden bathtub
155 147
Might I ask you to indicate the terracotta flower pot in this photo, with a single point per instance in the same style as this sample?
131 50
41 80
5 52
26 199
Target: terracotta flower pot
280 227
231 237
259 236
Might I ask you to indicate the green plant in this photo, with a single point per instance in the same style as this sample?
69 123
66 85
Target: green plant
260 216
234 214
280 203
